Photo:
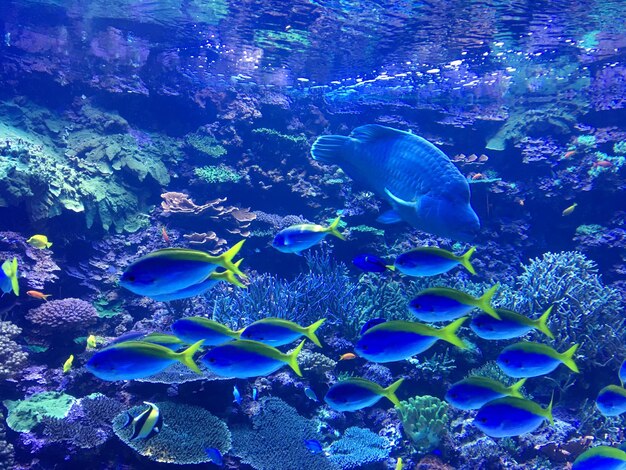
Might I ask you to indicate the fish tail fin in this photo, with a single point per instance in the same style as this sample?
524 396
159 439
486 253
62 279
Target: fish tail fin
548 410
568 358
542 323
390 267
390 392
292 359
310 332
229 276
186 356
465 260
484 302
15 285
332 229
448 333
514 390
237 333
45 296
225 260
48 245
329 149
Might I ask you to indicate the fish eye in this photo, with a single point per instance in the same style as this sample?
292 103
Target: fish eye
130 278
211 360
506 361
483 420
417 306
365 347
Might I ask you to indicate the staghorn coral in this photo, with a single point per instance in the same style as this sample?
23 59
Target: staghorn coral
583 305
424 420
187 431
12 358
358 447
61 316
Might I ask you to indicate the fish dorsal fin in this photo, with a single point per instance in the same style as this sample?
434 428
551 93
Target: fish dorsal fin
373 132
400 202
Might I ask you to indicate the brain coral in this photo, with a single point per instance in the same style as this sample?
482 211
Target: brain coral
63 315
187 430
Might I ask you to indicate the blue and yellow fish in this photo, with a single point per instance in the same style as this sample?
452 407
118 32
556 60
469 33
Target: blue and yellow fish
192 329
511 325
298 238
526 359
278 332
146 424
473 392
8 277
601 458
355 394
372 264
438 304
430 261
511 416
611 400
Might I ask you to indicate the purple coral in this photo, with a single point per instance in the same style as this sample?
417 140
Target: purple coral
66 315
12 358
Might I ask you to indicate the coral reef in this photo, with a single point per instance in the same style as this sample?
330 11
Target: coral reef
424 421
186 432
7 461
63 316
358 447
12 358
25 414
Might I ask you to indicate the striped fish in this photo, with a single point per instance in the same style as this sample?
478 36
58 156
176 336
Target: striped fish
146 424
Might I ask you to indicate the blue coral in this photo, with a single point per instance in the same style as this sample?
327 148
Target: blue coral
358 447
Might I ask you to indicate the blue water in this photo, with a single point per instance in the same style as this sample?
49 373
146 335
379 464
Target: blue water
131 126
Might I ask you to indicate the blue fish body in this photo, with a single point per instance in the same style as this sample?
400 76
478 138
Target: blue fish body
191 291
487 327
431 261
300 237
527 359
244 359
419 181
433 308
622 372
370 263
371 323
601 458
508 417
215 455
192 329
355 394
236 395
314 446
398 340
255 393
474 392
611 400
270 334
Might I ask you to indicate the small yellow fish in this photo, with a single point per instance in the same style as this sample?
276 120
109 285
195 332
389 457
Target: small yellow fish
91 341
68 364
569 210
399 464
39 241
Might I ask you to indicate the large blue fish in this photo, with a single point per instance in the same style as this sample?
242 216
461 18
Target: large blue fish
355 394
611 400
473 392
397 340
420 182
278 332
138 359
242 359
174 269
511 325
8 277
437 304
526 359
510 416
192 329
430 261
601 458
298 238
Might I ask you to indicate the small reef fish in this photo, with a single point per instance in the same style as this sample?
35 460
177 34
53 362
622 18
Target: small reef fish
314 446
347 357
443 304
138 359
236 395
255 394
601 458
569 154
478 176
278 332
430 261
611 400
511 416
297 238
67 365
173 269
474 392
192 329
39 241
603 164
38 295
622 373
166 237
568 211
308 391
527 359
372 264
91 341
8 277
146 424
163 339
243 359
215 455
399 464
511 325
356 393
420 182
397 340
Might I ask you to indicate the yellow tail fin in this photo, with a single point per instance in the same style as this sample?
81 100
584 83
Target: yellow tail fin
465 260
484 302
186 356
548 410
567 358
292 359
542 323
332 229
310 332
514 389
448 333
225 260
390 392
390 267
228 276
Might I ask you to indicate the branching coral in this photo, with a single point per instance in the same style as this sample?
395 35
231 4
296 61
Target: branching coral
12 358
358 447
187 431
424 420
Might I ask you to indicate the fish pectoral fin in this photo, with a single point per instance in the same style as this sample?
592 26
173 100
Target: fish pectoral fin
389 217
400 202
